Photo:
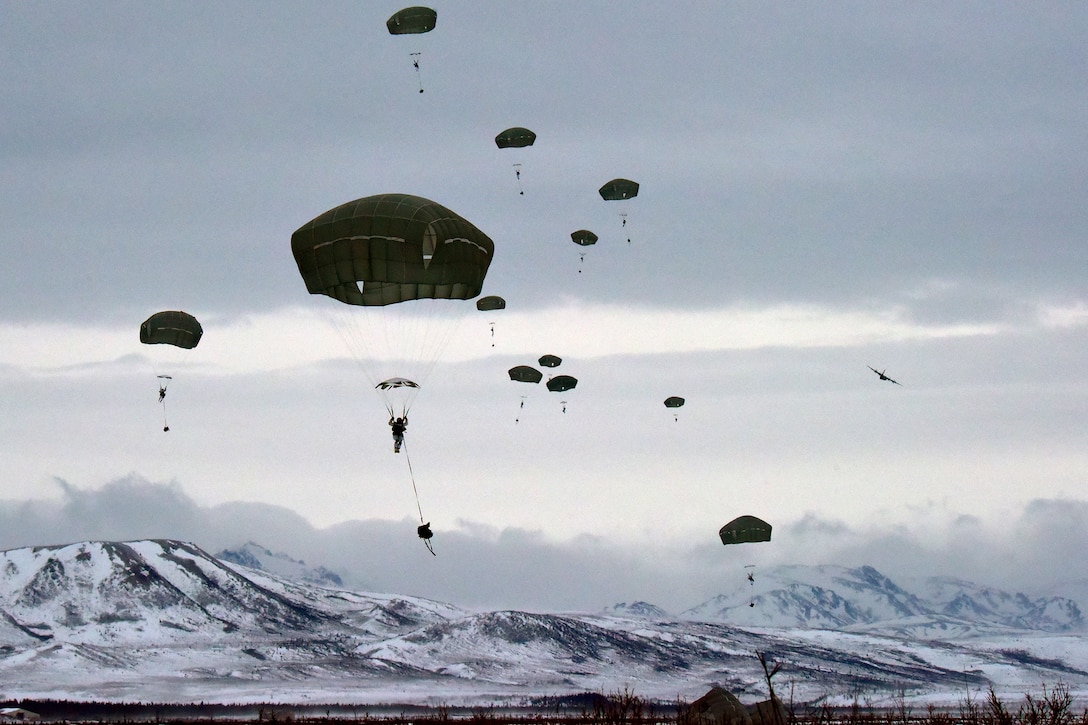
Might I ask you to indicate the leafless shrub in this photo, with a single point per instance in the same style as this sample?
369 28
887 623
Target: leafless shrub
970 711
483 714
937 717
900 714
996 712
1054 708
619 708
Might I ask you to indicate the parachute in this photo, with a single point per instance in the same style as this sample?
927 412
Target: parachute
674 401
562 383
174 328
401 392
486 304
525 374
620 190
399 268
516 138
583 238
745 529
413 21
410 21
400 247
550 361
393 383
490 304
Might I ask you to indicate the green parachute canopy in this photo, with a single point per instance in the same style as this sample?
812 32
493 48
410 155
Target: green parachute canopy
171 327
674 401
550 361
562 383
745 529
493 302
515 138
618 190
525 374
391 248
412 20
583 237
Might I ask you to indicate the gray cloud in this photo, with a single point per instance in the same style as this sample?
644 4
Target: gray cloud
480 566
785 153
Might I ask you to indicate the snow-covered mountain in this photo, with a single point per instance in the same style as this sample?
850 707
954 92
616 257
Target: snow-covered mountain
863 599
255 556
165 621
638 609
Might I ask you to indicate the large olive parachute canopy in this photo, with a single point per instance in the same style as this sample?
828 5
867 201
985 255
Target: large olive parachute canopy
550 361
391 248
515 138
171 327
674 401
412 20
745 529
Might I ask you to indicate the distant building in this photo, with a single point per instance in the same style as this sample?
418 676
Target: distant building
17 713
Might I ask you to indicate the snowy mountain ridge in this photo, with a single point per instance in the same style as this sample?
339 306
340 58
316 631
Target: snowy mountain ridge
255 556
863 599
163 620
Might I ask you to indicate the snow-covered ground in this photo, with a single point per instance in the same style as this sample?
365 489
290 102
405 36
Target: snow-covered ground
165 621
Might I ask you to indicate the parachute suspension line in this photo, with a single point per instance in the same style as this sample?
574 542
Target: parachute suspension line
419 508
415 64
392 411
351 338
387 342
415 490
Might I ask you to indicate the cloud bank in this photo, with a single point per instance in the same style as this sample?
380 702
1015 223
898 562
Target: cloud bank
1038 549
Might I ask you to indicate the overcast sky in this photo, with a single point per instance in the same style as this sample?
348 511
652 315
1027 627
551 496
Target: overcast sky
823 188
